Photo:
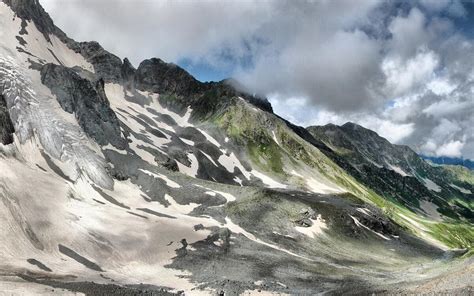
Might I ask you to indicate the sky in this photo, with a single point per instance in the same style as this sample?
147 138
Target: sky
404 69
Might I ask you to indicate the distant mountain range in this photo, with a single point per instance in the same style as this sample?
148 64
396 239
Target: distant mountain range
450 161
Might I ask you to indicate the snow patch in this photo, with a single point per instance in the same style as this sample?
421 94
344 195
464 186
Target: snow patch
364 211
319 187
267 180
431 185
111 147
316 186
237 229
316 229
460 189
275 138
183 209
209 138
357 222
398 170
209 157
192 170
186 141
229 197
230 162
238 180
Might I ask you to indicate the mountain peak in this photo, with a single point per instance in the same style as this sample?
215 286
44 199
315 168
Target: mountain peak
352 125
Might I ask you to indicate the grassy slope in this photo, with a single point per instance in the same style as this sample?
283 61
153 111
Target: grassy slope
254 129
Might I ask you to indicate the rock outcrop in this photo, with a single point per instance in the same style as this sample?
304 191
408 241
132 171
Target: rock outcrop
6 125
87 101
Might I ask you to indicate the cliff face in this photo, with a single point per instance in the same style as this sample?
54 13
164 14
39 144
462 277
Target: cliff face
87 101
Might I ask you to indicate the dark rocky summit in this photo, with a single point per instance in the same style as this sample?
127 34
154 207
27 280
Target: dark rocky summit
182 89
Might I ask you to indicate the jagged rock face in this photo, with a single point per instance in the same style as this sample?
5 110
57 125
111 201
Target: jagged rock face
156 76
106 65
88 102
6 125
128 74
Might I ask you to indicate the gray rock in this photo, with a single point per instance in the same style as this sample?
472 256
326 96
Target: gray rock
106 65
6 125
87 101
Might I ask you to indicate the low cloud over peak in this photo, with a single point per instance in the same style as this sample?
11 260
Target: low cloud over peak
404 69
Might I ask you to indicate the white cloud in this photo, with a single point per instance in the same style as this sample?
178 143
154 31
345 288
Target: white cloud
404 71
441 86
447 107
446 129
450 149
408 34
393 132
405 76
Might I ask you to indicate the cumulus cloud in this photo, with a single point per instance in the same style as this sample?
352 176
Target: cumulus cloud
168 29
402 69
450 149
404 76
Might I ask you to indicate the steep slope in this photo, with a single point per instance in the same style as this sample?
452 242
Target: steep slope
112 176
398 174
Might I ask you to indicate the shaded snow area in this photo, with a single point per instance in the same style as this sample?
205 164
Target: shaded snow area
45 213
431 210
37 117
35 112
431 185
398 170
460 189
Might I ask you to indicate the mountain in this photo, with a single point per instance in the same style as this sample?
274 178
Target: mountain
397 172
442 160
123 180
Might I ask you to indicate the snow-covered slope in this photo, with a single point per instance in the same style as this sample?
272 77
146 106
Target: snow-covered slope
122 180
